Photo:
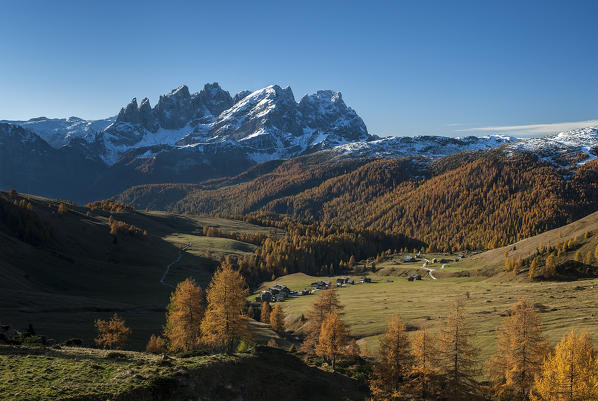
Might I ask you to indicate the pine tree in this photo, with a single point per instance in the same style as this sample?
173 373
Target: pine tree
351 262
326 304
389 374
113 333
184 315
277 319
62 209
588 259
425 361
333 338
550 267
265 313
225 324
521 348
532 269
458 354
508 265
570 373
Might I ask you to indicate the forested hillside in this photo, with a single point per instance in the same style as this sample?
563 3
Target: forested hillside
471 200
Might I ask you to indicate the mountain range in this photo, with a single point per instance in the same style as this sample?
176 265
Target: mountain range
193 137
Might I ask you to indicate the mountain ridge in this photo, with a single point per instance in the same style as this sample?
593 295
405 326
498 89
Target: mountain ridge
193 137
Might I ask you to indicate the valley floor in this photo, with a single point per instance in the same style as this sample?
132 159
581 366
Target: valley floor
368 307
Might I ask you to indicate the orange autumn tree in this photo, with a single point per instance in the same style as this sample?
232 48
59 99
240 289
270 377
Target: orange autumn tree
277 320
333 339
521 348
570 373
225 323
113 333
155 345
265 313
424 371
326 304
390 372
458 355
184 315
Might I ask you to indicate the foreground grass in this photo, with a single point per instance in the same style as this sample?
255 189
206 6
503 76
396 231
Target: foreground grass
91 374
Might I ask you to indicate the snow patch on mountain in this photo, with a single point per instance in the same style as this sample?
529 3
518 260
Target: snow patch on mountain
428 146
58 132
565 149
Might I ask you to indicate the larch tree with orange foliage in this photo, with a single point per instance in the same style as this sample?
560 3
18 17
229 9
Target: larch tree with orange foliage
225 323
570 373
390 373
333 339
521 349
113 333
265 313
155 345
458 355
424 371
326 304
277 320
550 267
184 315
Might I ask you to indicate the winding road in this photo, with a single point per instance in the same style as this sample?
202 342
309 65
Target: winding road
429 270
183 248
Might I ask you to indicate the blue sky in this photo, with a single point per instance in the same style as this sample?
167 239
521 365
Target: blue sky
407 67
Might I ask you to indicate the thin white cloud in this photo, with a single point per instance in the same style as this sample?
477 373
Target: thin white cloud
534 129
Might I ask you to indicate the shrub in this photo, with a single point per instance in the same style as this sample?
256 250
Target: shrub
73 342
156 345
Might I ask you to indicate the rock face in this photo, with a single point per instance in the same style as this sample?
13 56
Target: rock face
190 137
29 165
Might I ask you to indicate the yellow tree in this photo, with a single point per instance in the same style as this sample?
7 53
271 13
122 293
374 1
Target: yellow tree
277 319
112 333
458 355
389 373
570 373
265 313
532 269
425 361
326 304
521 348
550 267
183 317
155 345
333 339
225 324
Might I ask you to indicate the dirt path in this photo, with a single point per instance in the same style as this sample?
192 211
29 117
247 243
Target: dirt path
429 270
183 249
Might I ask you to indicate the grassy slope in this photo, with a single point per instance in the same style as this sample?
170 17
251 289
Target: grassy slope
492 292
369 307
493 261
90 374
63 287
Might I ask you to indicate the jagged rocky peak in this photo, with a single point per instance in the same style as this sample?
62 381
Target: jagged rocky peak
214 99
139 115
174 110
240 96
270 110
130 113
326 111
